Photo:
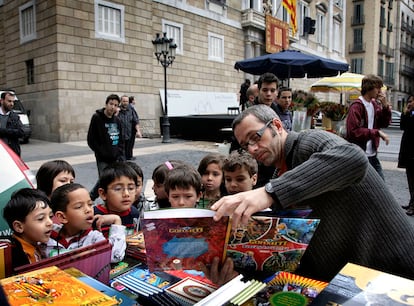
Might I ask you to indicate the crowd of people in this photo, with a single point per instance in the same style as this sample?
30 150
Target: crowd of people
269 167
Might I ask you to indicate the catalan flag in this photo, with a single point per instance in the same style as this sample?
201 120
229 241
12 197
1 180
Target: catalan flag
290 6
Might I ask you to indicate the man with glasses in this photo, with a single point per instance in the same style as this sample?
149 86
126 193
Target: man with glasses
360 219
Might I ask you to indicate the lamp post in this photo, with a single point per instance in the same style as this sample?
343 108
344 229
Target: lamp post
164 50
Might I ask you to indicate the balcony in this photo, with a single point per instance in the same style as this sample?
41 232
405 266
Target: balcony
357 20
253 18
407 70
389 52
382 22
357 48
406 48
382 49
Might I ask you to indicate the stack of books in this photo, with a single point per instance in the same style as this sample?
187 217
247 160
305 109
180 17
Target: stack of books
136 246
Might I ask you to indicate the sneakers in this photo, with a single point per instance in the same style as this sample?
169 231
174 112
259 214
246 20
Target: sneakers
410 208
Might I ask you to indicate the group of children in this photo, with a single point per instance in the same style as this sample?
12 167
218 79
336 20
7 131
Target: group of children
60 216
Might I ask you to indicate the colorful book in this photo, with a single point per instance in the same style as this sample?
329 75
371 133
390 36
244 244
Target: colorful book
358 285
99 253
189 291
122 299
179 239
285 288
270 244
5 259
52 286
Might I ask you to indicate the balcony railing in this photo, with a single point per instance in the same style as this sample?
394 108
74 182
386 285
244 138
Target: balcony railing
406 48
357 47
357 20
407 70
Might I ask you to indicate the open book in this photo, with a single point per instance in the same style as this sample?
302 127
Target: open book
181 238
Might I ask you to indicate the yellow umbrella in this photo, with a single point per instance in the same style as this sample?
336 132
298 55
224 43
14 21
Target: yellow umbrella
346 82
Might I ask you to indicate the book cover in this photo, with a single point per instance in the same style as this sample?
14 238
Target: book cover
285 288
270 244
358 285
189 290
5 259
181 238
121 298
52 286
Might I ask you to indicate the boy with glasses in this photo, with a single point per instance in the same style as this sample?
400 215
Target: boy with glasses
117 188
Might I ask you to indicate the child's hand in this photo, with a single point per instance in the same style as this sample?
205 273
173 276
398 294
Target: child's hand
101 220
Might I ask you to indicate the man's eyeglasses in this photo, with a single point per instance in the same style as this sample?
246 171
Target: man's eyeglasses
121 189
255 138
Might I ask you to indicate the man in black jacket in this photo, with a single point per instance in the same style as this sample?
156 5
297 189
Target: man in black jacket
11 128
105 137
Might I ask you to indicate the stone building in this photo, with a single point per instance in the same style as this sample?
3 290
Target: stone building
64 57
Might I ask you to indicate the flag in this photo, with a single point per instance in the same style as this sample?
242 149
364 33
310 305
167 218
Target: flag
290 6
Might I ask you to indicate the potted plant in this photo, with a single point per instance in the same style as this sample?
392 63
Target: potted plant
304 106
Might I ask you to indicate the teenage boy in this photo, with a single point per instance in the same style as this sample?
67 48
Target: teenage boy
105 137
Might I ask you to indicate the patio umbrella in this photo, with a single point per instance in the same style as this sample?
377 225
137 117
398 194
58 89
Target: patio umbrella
346 82
292 64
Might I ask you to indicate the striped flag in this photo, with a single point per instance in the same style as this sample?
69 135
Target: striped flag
290 6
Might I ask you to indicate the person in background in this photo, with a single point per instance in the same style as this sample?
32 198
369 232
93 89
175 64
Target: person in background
53 174
30 217
11 128
183 186
243 95
211 171
268 85
240 172
251 93
73 208
366 116
360 220
117 188
130 126
283 102
406 154
105 137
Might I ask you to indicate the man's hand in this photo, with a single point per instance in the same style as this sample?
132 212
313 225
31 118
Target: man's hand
219 276
242 205
384 137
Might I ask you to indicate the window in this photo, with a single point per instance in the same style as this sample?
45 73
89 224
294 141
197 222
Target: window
337 42
321 29
109 21
358 14
381 67
356 65
30 71
215 47
358 42
27 17
303 12
174 31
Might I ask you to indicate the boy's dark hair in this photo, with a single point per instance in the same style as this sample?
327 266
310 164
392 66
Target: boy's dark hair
212 158
48 171
160 172
239 159
22 203
112 97
267 77
282 89
183 176
115 171
59 199
136 168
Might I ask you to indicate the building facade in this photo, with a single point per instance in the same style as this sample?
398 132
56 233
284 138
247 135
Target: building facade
65 57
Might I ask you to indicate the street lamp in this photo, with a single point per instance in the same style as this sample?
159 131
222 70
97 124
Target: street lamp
164 50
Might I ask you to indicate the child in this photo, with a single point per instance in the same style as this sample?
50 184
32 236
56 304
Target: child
240 172
158 176
29 216
183 186
117 188
73 207
210 169
140 200
53 174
